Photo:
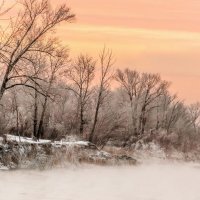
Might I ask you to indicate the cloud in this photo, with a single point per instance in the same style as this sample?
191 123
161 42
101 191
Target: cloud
152 14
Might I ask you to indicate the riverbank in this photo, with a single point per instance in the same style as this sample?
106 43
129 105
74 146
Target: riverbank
25 153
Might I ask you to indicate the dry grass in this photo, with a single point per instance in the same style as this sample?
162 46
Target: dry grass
34 156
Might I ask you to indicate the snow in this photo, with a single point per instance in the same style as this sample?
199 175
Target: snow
25 140
104 154
42 141
81 143
2 167
52 155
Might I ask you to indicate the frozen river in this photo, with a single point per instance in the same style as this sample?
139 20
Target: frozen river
145 182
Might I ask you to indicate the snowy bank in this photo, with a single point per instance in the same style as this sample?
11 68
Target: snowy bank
25 153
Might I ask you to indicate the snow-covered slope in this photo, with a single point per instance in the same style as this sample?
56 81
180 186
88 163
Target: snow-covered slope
23 152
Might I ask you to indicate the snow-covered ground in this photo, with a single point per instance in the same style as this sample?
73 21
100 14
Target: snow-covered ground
164 181
42 141
25 153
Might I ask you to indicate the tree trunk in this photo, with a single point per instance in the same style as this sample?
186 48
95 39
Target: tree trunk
81 121
35 120
41 122
142 120
134 117
17 120
4 82
91 136
40 126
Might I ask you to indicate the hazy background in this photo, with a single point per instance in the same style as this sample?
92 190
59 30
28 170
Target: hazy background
149 35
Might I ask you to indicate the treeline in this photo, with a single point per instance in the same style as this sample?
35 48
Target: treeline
46 94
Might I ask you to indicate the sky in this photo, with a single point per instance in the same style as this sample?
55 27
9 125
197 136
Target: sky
158 36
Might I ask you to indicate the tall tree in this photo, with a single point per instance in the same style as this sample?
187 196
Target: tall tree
106 63
153 88
27 32
81 75
130 81
57 64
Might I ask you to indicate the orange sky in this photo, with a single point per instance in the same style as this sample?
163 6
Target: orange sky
148 35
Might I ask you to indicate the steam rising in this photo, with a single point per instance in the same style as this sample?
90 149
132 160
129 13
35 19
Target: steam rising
146 182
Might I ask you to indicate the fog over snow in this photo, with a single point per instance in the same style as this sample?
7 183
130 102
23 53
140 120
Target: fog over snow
169 181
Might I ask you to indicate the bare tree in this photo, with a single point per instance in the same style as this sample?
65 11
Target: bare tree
194 115
57 63
28 34
81 75
153 88
35 79
166 110
130 81
106 63
16 110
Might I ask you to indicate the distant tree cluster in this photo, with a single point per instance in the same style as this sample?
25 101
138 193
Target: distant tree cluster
45 94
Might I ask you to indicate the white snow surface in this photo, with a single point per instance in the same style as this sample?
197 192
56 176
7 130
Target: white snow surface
42 141
164 181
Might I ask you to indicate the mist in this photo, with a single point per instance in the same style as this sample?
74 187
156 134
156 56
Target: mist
169 181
